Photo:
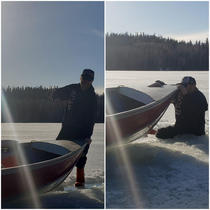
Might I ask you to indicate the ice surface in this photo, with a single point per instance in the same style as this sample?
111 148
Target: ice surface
92 197
162 174
166 174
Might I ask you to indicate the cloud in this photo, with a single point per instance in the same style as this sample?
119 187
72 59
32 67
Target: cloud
200 36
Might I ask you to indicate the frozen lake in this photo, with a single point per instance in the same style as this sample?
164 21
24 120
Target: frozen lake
148 173
154 174
65 195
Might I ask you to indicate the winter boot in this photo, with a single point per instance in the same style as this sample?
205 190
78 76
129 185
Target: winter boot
80 179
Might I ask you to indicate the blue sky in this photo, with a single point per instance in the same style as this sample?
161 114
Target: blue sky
181 20
50 43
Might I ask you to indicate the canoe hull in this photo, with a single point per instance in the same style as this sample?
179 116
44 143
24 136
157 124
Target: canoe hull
38 177
130 125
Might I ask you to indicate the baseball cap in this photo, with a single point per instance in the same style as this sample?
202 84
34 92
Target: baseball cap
188 80
88 74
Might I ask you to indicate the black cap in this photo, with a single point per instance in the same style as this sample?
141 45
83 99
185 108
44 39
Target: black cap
188 80
88 73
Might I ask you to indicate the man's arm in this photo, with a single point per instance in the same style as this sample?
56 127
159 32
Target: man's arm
197 103
61 94
182 89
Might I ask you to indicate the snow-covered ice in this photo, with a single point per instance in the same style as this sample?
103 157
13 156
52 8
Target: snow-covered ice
154 174
66 195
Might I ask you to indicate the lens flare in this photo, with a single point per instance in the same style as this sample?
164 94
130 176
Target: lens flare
6 115
122 156
27 176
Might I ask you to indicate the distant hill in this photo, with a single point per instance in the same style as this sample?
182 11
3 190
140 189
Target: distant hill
151 52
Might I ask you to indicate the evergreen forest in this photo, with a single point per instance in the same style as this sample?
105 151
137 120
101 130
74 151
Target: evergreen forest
151 52
34 104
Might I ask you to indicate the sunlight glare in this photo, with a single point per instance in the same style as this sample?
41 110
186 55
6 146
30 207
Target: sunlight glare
129 176
27 173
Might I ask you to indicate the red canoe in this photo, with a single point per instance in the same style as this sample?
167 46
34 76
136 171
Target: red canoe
36 167
132 113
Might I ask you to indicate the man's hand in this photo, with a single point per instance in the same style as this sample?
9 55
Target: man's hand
182 89
88 140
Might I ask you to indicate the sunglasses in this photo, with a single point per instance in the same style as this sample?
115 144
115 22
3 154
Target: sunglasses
87 78
185 85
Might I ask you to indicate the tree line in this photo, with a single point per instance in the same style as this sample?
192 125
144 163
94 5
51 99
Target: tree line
151 52
34 104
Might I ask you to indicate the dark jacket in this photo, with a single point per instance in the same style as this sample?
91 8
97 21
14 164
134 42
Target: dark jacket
190 112
80 111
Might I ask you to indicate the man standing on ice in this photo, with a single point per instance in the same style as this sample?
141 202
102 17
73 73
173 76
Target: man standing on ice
79 116
190 106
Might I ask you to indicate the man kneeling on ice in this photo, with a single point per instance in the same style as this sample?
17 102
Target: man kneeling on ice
79 116
190 106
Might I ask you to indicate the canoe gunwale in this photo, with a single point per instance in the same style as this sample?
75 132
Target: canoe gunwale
41 164
46 175
141 109
142 119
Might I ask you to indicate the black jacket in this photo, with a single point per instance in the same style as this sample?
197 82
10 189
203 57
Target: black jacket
81 108
190 112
